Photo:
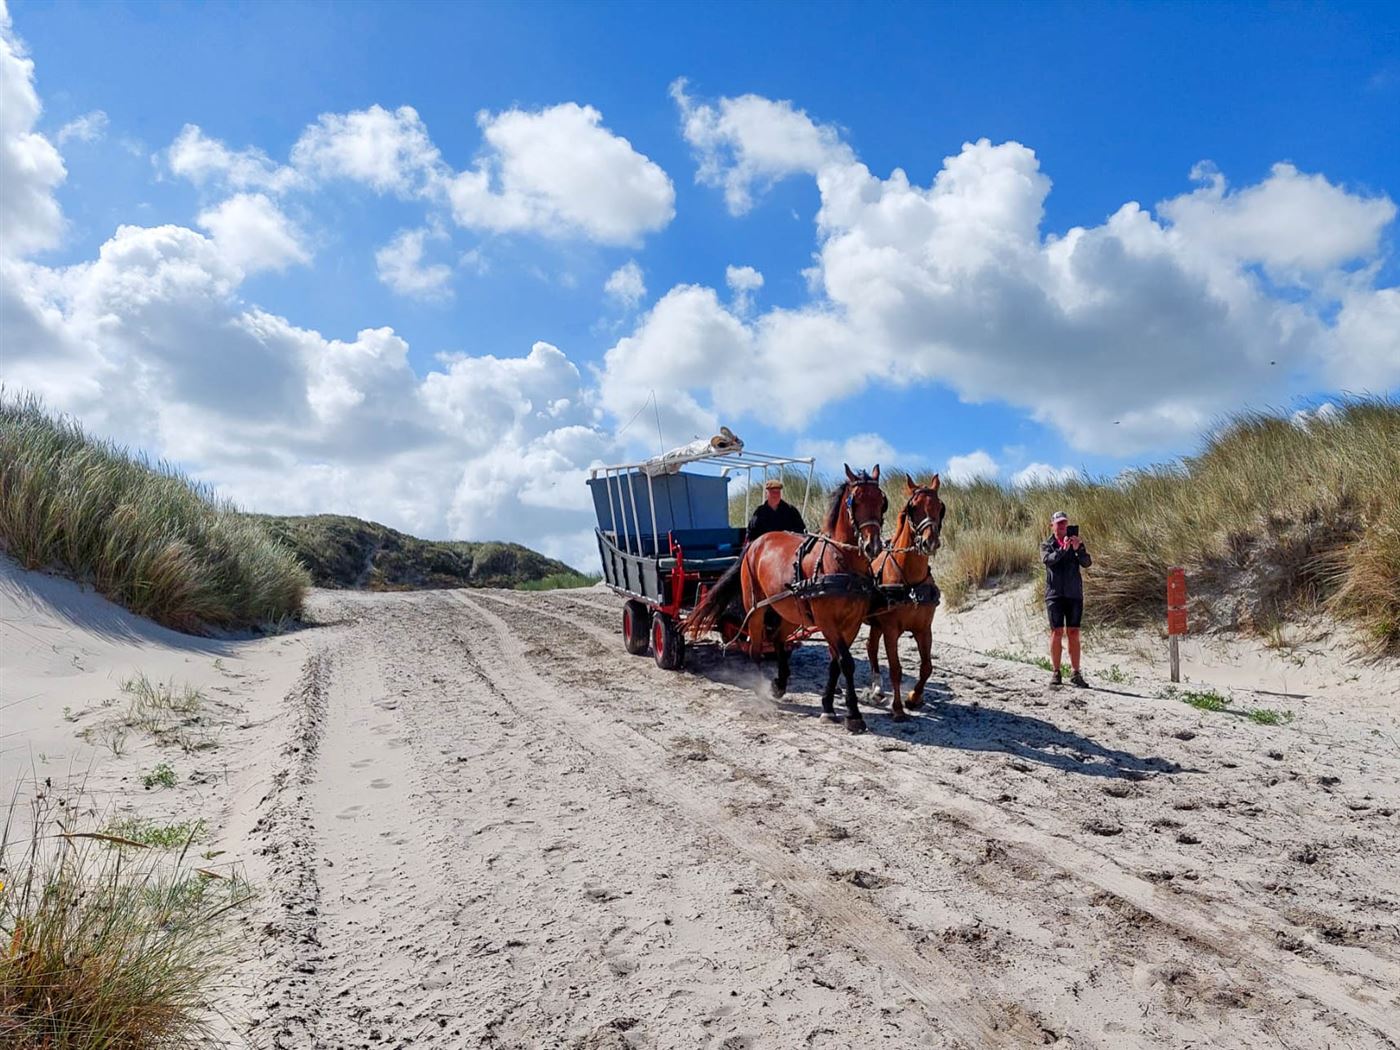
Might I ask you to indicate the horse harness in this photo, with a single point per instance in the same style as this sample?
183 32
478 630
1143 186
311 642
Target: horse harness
835 584
925 591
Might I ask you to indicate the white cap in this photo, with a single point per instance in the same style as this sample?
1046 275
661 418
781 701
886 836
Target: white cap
1059 515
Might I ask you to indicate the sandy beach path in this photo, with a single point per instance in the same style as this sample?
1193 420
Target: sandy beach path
490 826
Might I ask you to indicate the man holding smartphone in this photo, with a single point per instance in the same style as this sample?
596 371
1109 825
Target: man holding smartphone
1064 554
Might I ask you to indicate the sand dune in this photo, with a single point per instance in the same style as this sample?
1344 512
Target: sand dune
476 821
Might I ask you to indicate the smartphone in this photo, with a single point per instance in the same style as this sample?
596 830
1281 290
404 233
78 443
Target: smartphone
1073 530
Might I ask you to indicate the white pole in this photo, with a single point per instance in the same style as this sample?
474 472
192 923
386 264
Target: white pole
1176 659
636 522
651 495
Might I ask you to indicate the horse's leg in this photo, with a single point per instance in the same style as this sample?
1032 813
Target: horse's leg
891 633
924 637
872 653
833 671
854 722
779 635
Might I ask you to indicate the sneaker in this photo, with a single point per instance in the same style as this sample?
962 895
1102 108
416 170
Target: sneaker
1055 679
1077 680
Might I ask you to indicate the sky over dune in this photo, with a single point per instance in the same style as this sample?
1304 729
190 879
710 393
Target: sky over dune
434 290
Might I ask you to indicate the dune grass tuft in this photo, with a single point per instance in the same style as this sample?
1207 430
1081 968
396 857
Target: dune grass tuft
1275 516
105 948
143 535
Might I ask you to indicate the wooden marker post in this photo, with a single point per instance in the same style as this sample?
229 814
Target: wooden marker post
1176 616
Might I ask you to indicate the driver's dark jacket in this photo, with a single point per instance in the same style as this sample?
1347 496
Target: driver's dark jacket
782 518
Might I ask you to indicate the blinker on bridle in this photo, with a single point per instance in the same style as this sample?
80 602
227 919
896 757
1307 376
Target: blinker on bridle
926 522
851 504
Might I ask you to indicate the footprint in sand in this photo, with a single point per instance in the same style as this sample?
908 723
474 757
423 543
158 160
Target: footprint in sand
349 813
379 782
361 763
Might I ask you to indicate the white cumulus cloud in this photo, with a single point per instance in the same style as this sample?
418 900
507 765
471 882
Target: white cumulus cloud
388 151
253 233
401 267
625 285
88 128
971 467
957 283
743 281
560 172
753 141
207 161
30 166
859 451
151 343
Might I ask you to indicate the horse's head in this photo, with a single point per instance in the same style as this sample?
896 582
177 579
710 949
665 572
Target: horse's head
924 512
866 504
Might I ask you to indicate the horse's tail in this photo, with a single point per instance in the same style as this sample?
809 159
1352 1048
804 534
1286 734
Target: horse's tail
703 619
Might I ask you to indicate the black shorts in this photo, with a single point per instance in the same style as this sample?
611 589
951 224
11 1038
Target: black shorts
1064 612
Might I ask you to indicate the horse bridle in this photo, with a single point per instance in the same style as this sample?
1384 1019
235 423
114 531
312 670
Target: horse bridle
879 522
924 544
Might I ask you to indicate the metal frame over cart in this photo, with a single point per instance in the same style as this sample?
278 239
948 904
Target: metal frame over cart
664 537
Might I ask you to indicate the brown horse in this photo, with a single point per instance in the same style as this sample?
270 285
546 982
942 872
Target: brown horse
903 569
764 576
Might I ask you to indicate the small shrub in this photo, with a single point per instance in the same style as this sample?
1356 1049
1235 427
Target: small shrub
143 832
1267 716
1204 699
162 776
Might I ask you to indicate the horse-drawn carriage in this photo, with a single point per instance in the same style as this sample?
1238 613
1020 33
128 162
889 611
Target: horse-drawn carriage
669 550
665 538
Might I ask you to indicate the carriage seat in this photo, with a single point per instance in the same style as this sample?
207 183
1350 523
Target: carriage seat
706 550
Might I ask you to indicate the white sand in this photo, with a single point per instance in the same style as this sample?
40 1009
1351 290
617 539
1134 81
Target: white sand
477 822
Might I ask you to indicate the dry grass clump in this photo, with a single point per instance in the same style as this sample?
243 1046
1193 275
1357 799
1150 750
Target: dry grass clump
145 536
106 944
1276 515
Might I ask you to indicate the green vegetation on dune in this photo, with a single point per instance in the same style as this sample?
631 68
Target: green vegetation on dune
341 551
1274 517
143 535
110 940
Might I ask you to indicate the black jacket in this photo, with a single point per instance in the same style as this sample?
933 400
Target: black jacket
783 518
1062 566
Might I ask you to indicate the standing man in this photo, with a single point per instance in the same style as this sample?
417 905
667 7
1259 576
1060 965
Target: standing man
775 514
1064 553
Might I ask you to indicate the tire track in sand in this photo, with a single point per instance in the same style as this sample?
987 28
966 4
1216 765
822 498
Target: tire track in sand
1232 936
858 924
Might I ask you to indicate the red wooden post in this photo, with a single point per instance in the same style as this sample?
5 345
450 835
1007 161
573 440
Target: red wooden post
1176 616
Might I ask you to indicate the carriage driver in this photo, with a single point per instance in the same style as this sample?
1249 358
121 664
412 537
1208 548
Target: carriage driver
775 514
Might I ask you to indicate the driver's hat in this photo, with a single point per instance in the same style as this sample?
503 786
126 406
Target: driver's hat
773 483
1059 515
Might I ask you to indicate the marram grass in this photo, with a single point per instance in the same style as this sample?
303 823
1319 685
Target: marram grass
1270 519
107 943
143 535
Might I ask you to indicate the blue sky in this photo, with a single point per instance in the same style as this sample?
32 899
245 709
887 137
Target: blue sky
958 326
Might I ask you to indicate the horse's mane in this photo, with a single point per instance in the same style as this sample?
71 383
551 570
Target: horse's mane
837 494
829 522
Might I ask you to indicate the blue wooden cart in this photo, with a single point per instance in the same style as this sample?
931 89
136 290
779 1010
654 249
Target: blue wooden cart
664 536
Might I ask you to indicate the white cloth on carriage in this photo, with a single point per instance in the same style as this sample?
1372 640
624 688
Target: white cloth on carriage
670 462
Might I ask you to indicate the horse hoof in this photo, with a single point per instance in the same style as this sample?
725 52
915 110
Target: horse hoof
829 717
776 691
899 716
914 701
855 725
